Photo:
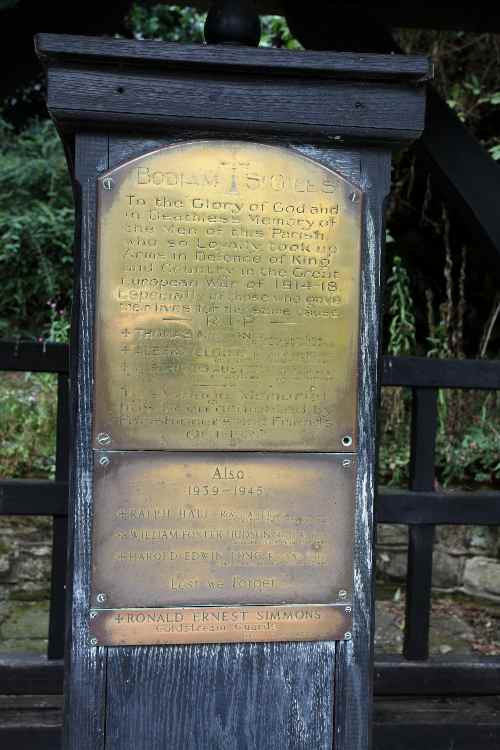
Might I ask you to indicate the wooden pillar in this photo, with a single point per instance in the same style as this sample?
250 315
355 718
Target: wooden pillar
338 115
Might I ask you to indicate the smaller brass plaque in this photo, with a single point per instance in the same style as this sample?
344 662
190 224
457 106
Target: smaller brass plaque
266 538
137 627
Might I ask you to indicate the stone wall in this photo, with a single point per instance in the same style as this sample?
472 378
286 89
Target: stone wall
466 558
25 565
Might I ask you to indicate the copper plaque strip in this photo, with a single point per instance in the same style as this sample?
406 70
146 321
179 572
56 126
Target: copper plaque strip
130 627
227 302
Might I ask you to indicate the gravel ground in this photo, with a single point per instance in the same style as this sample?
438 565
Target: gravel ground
459 624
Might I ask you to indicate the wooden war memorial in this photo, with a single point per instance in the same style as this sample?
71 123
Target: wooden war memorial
224 379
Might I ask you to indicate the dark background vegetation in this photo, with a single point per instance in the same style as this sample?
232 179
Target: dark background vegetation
442 295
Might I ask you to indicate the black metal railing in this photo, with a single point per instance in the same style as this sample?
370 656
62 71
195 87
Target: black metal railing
421 507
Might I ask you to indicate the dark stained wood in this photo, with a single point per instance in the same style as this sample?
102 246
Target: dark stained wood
86 666
30 721
216 694
469 184
351 112
355 658
31 674
439 675
33 497
31 731
31 356
441 373
160 55
400 506
265 696
421 538
35 724
57 617
281 696
440 724
167 86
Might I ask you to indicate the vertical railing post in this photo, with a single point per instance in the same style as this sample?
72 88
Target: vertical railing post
421 537
59 528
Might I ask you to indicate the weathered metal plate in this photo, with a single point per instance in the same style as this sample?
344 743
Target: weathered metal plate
228 301
129 627
222 530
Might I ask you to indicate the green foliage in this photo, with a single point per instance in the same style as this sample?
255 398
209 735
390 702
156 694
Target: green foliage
28 414
172 23
472 453
169 23
28 419
468 436
402 318
494 150
275 33
36 228
394 449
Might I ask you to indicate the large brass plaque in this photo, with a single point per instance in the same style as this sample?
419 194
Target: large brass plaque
228 296
260 544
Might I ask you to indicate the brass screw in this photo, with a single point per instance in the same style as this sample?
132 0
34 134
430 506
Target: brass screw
103 438
107 183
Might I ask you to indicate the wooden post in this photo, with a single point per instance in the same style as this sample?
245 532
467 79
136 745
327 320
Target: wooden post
116 100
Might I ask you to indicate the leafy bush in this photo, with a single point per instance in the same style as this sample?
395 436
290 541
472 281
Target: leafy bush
172 23
468 435
36 228
28 419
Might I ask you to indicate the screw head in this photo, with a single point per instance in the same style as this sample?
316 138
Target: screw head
347 441
103 438
104 460
92 615
348 636
93 641
348 610
342 594
354 197
101 598
346 463
107 183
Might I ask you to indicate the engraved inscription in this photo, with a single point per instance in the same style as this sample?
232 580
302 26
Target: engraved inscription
227 313
172 530
220 624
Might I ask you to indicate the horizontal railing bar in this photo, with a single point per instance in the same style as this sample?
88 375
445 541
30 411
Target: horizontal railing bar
440 675
32 356
33 497
46 497
426 372
407 507
31 674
